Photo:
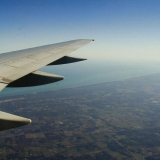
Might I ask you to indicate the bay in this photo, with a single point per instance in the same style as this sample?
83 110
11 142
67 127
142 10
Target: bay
87 73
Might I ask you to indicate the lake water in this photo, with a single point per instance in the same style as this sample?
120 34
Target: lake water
87 73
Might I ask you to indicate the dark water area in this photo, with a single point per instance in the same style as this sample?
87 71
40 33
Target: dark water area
87 73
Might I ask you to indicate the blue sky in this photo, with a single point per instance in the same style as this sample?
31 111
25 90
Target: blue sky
124 30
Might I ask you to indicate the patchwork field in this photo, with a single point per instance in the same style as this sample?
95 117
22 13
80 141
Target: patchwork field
116 120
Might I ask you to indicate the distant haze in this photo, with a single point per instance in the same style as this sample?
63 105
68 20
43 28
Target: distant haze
87 73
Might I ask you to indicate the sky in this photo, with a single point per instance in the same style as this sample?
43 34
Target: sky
124 30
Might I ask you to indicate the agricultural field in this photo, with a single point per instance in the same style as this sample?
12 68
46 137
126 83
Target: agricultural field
116 120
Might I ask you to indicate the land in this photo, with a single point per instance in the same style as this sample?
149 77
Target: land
115 121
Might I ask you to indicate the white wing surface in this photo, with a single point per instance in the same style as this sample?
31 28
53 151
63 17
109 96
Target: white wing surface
14 65
20 68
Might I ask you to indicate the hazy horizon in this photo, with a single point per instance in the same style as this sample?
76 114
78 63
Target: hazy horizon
126 36
95 72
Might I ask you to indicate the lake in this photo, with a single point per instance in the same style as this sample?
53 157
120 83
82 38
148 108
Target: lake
87 73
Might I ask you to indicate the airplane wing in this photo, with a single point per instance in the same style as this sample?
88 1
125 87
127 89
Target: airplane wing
20 69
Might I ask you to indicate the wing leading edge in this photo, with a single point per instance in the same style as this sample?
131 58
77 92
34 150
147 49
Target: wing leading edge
20 69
